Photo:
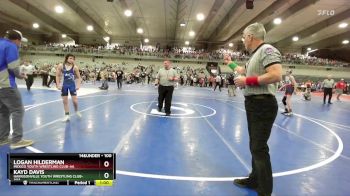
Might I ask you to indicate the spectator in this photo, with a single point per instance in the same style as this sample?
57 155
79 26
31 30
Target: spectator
11 106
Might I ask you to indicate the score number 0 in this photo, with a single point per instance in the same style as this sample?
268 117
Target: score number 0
106 164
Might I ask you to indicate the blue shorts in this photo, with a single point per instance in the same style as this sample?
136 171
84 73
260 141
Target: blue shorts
70 88
289 90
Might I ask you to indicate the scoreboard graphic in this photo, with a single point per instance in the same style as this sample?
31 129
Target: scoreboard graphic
61 169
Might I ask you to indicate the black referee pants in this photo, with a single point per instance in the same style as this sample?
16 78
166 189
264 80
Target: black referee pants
165 93
119 83
52 79
45 77
329 92
260 122
29 81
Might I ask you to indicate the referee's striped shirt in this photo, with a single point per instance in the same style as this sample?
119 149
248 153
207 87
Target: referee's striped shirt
328 83
262 57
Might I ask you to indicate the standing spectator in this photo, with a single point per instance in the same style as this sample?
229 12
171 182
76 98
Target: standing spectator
98 77
104 78
92 76
340 88
195 80
222 82
263 72
143 77
319 86
166 79
44 71
328 85
52 74
231 86
149 74
181 80
119 76
11 106
137 75
218 82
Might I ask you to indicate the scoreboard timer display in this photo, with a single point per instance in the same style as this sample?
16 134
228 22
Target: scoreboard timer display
61 169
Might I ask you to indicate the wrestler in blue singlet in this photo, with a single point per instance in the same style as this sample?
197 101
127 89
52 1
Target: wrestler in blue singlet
68 82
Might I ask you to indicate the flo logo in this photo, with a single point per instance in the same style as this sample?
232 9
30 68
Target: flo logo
178 110
325 12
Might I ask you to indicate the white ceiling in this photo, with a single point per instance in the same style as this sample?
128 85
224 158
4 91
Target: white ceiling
158 19
303 19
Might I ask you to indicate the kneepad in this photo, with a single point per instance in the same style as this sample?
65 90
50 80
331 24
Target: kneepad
284 100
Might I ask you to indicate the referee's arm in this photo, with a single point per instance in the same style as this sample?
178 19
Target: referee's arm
157 79
273 74
176 77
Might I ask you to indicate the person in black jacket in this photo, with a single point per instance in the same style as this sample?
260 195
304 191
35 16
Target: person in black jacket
119 75
231 86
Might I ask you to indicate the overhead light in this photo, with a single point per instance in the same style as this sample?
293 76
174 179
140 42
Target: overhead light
182 24
128 13
343 25
277 21
64 35
200 16
192 33
106 38
139 30
35 25
59 9
90 28
311 51
230 44
146 40
295 38
187 42
308 49
345 41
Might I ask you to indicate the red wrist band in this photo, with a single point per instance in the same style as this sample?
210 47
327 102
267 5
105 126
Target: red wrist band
252 81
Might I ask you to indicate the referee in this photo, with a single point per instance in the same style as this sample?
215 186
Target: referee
262 73
166 79
328 85
29 69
